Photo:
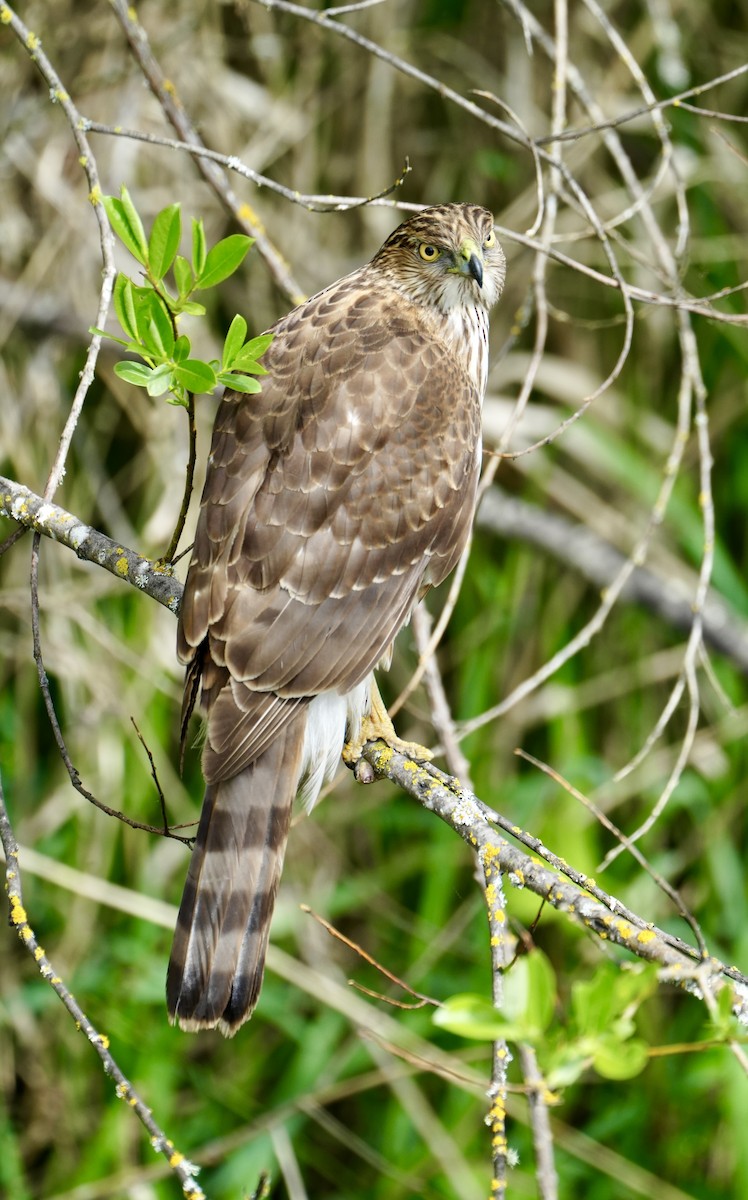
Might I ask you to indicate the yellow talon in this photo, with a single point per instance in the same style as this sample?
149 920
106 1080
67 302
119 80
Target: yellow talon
378 725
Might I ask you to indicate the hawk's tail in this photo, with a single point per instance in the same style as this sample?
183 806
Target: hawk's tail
218 956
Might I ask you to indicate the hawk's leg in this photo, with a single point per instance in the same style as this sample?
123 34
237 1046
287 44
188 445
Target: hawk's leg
378 725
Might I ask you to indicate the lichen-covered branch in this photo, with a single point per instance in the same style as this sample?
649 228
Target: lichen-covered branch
33 512
466 814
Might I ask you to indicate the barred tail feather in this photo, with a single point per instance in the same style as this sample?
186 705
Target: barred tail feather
218 955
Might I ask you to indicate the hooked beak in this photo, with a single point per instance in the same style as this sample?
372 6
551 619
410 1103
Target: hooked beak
470 261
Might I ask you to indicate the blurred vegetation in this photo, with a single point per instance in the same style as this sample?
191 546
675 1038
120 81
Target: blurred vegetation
306 1090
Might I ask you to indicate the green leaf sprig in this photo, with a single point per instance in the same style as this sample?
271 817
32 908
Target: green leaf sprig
149 312
600 1030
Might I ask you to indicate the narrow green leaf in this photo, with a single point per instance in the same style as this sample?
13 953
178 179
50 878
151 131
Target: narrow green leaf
223 260
181 348
131 372
154 326
160 380
111 336
127 224
240 383
164 240
162 328
256 347
245 363
192 308
124 305
234 341
183 276
198 246
195 375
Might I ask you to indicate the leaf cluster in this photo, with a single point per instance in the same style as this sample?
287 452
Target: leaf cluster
599 1031
149 312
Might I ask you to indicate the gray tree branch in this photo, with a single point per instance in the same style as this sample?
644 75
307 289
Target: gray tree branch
33 512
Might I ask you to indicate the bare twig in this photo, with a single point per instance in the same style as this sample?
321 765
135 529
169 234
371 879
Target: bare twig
542 1132
438 704
359 950
311 202
183 1170
60 95
188 482
177 116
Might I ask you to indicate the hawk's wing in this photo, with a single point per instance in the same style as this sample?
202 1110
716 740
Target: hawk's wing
331 499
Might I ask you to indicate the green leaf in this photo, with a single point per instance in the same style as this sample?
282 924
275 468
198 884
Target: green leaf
181 348
242 363
111 336
256 347
598 1003
131 372
527 1010
154 325
566 1065
198 246
223 260
471 1016
233 341
240 383
723 1023
530 992
183 276
164 240
124 306
160 380
614 1059
195 375
192 308
127 224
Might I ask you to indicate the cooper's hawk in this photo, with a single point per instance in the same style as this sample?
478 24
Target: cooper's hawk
333 500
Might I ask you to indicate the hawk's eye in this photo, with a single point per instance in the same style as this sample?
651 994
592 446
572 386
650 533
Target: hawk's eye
489 241
428 253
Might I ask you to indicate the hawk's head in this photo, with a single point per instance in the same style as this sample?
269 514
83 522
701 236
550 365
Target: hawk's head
448 256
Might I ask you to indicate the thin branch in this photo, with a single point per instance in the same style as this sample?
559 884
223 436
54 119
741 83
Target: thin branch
183 1170
59 95
572 135
439 709
33 512
175 113
359 950
542 1133
312 202
188 482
